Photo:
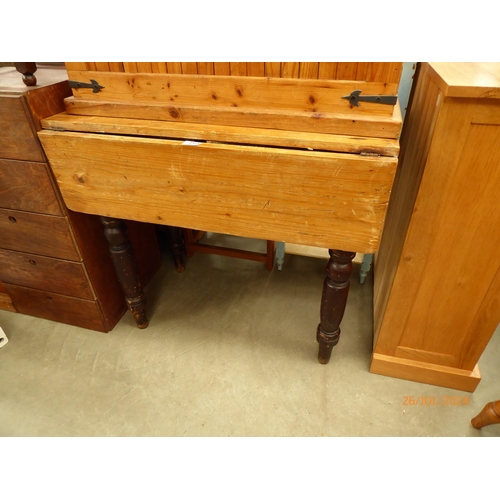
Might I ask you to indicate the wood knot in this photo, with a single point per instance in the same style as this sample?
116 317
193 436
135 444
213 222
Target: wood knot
81 178
174 113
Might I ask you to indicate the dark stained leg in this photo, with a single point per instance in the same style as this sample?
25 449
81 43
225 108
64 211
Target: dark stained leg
27 70
333 301
177 247
122 252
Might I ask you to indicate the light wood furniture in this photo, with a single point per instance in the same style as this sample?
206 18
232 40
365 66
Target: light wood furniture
437 273
273 151
54 263
489 415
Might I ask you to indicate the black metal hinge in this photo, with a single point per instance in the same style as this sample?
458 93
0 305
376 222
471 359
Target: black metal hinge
81 85
355 98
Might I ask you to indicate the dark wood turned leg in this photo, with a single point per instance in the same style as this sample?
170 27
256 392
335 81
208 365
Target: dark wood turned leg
177 247
333 301
489 415
27 70
122 252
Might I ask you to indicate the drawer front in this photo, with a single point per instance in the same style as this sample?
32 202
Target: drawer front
18 140
37 234
329 200
45 273
27 186
60 308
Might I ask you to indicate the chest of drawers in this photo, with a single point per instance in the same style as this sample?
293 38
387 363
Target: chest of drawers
54 263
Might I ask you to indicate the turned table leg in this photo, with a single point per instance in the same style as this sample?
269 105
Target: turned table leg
122 252
490 414
333 302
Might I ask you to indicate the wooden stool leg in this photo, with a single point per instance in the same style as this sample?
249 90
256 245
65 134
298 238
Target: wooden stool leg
333 302
489 415
270 254
122 252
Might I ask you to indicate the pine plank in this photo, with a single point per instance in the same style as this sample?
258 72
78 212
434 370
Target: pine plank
273 69
75 66
144 67
205 68
130 67
174 68
189 68
116 66
327 70
346 70
238 68
256 69
102 66
290 69
364 126
280 194
159 67
222 133
318 96
309 70
222 68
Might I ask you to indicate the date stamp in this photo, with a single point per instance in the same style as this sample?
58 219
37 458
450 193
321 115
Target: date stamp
435 401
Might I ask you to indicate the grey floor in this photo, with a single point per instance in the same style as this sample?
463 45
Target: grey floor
230 351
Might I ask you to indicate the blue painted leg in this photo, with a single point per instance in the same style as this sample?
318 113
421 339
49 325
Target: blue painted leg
280 254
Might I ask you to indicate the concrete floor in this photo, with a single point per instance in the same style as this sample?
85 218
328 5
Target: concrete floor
230 351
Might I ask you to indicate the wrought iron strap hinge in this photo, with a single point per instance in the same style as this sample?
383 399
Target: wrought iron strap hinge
355 98
82 85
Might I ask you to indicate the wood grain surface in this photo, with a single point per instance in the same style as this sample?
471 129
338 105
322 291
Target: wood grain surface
222 133
314 198
28 186
45 273
37 233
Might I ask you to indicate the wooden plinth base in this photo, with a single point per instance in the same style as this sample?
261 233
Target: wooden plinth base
426 373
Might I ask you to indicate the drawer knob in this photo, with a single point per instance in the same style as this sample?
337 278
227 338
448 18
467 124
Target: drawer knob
12 219
32 262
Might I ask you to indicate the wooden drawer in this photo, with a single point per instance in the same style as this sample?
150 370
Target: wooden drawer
28 186
37 234
18 139
45 273
61 308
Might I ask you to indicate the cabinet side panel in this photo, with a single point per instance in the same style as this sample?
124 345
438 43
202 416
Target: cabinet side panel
415 143
459 251
448 140
483 327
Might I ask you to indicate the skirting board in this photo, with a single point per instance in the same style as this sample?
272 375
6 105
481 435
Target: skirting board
426 373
